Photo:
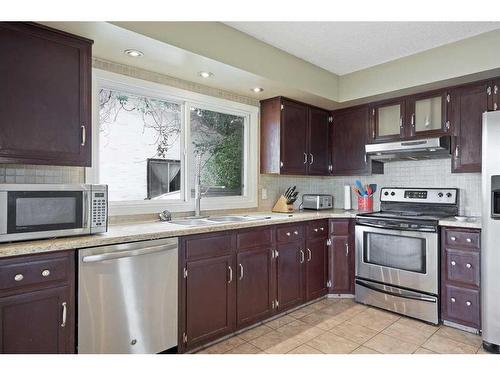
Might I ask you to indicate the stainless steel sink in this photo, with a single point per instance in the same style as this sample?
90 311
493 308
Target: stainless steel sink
231 219
192 222
218 220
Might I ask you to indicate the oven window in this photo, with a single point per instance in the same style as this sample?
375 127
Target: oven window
394 251
35 211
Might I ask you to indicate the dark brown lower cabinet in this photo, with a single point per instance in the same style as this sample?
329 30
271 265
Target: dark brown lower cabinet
255 285
316 268
37 308
341 256
460 276
290 272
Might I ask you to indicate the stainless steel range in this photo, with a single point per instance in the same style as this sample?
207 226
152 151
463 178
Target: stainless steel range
397 251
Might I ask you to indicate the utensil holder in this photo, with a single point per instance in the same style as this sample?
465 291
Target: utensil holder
281 206
365 204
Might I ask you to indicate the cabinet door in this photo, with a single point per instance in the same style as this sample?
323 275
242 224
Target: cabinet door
210 299
349 134
316 268
294 124
388 120
467 106
255 288
45 101
318 158
290 268
37 322
342 264
427 114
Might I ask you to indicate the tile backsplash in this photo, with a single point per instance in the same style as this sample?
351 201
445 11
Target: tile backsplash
431 173
40 174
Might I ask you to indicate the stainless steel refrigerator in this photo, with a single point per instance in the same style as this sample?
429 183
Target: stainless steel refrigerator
490 249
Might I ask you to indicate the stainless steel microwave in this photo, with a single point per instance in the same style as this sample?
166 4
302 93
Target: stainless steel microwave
34 211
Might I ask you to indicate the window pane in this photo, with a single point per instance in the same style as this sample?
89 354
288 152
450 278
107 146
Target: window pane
217 142
139 146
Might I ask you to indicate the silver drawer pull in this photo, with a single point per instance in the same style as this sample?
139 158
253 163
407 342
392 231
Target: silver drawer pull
468 303
322 229
452 300
315 229
288 234
296 232
453 238
64 314
453 263
468 240
45 273
230 274
468 265
19 277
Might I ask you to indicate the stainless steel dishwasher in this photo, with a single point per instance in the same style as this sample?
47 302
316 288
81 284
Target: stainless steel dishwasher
127 297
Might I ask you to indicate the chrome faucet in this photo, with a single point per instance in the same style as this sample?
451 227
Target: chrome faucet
197 189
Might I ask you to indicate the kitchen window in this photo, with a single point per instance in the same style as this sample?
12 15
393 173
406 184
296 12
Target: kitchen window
151 139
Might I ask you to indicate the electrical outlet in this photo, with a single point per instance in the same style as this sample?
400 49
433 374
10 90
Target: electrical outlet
264 193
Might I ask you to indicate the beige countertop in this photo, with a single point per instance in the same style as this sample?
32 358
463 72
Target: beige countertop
473 222
155 229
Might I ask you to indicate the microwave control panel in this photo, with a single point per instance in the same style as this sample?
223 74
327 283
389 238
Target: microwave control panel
99 211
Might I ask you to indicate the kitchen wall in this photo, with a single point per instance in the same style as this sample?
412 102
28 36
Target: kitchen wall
432 173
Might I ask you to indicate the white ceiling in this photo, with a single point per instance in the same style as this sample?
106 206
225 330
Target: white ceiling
345 47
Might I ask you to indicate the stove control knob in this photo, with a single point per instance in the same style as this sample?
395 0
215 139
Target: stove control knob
386 193
440 195
448 195
393 193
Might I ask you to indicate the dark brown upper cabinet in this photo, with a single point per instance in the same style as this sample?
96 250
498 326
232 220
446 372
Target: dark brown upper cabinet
294 138
468 103
45 101
424 114
349 133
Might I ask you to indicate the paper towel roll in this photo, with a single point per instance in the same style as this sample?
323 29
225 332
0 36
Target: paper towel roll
347 197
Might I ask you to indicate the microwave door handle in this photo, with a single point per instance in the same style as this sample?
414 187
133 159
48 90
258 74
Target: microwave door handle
86 211
402 295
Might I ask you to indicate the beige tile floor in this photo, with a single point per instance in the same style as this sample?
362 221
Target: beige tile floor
341 326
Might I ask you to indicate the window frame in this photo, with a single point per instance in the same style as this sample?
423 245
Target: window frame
187 99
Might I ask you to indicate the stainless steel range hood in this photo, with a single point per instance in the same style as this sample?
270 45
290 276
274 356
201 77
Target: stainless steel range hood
418 149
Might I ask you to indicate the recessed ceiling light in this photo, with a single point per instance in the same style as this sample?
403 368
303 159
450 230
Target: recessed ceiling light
133 52
257 89
205 74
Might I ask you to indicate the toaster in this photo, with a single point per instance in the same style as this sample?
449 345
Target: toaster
317 201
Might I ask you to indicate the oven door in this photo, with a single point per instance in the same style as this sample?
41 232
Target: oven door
406 259
31 214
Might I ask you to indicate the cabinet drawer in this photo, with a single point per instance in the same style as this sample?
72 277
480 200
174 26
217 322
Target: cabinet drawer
205 246
339 227
463 266
317 229
462 305
261 237
289 233
462 238
33 271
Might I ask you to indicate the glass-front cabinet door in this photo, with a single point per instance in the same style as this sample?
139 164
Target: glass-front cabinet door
388 120
427 114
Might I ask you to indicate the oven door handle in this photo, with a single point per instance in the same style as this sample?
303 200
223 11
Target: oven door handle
389 227
407 296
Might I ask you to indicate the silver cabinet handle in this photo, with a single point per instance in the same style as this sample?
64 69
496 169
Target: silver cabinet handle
230 274
453 263
288 234
412 121
322 229
315 229
302 256
401 122
305 158
347 249
296 232
309 255
45 273
452 300
241 271
84 135
312 158
468 265
453 238
64 314
456 151
468 303
18 277
468 240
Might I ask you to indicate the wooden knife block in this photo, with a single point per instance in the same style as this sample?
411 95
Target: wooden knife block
282 207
